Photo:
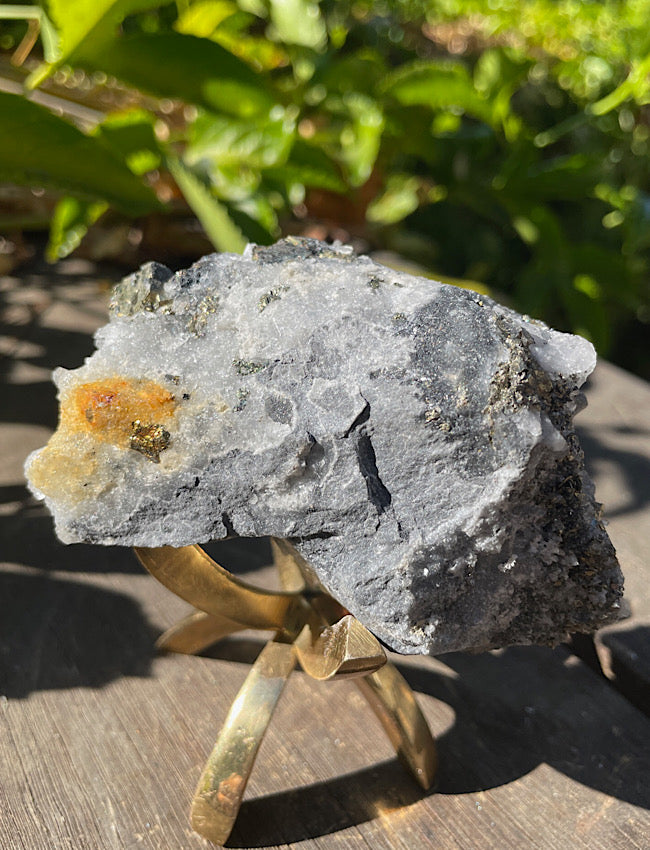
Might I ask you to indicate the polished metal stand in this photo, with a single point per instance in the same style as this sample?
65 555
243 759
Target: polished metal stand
311 629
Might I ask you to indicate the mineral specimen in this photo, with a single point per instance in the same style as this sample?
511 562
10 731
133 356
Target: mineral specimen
414 440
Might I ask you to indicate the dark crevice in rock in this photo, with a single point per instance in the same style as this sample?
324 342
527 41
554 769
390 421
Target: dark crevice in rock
316 535
364 416
227 524
377 491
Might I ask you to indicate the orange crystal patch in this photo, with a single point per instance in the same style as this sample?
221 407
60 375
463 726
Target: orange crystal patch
107 409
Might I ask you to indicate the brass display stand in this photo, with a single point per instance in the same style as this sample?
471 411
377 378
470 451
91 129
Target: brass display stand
311 629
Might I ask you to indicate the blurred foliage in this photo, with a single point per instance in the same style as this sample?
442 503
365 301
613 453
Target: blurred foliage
501 142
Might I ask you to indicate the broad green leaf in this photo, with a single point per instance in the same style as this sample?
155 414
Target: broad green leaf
259 52
310 166
360 71
233 183
256 218
399 199
561 178
83 23
360 139
39 149
202 18
438 85
257 144
180 66
587 314
219 227
298 22
131 135
70 223
223 22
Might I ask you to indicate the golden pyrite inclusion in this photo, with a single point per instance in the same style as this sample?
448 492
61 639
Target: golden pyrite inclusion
112 411
415 441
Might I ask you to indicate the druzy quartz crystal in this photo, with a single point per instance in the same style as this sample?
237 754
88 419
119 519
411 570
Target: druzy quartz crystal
414 440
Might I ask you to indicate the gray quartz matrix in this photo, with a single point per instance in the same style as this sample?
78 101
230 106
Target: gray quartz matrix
413 439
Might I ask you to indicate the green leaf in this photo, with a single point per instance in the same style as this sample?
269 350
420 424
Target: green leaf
71 220
298 22
221 230
82 24
256 219
202 18
399 199
311 166
561 178
361 138
180 66
635 85
131 135
588 315
223 22
39 149
438 85
257 144
361 71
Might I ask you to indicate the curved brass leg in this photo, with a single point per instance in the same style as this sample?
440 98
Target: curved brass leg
394 703
197 632
221 787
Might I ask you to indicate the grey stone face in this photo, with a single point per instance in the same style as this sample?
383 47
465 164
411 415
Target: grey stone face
413 439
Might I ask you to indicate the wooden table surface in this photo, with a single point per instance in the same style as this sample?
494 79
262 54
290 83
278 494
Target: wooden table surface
102 741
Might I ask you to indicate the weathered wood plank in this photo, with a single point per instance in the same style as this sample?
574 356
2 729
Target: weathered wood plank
100 739
615 431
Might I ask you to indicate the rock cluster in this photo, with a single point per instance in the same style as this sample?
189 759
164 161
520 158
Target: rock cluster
413 439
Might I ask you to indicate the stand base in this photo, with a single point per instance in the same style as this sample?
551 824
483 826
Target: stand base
311 629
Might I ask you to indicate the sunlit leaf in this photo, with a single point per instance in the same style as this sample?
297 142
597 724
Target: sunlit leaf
213 215
203 18
84 23
636 85
223 22
39 149
192 69
438 85
311 166
360 139
70 223
131 135
298 22
399 199
258 144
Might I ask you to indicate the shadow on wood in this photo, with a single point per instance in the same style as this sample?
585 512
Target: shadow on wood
58 634
629 659
514 710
